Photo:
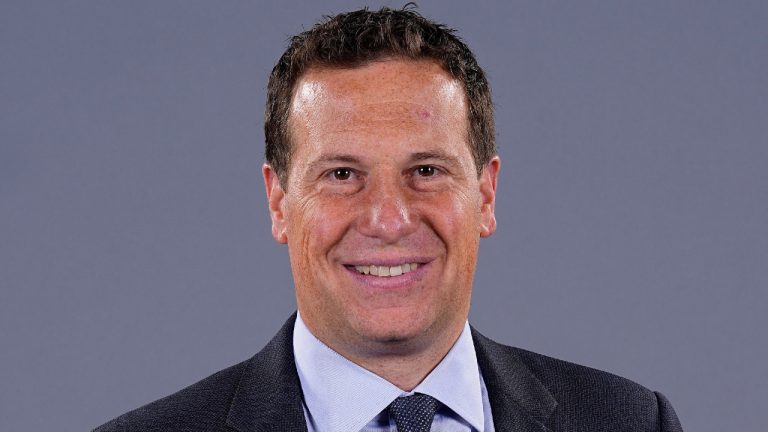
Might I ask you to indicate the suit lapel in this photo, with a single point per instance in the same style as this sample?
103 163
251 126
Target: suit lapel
269 395
519 401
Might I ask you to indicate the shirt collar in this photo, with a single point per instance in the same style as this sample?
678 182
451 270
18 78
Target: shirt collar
340 395
455 381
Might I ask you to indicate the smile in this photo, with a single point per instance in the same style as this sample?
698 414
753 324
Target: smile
386 271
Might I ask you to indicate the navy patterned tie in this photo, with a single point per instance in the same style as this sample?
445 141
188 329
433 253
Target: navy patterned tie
414 413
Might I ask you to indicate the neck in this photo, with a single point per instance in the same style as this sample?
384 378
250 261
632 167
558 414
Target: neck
404 371
404 363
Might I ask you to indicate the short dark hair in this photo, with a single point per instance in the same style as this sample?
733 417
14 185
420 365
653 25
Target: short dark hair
352 39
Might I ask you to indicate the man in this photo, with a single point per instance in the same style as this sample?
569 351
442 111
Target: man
381 179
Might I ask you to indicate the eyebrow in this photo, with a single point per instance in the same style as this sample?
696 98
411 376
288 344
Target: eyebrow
333 158
435 155
352 159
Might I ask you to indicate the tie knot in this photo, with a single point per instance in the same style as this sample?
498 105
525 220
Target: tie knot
414 413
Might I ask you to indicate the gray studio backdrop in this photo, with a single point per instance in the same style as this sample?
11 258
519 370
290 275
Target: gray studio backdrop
135 247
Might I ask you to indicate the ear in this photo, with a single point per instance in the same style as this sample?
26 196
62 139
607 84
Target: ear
488 193
275 200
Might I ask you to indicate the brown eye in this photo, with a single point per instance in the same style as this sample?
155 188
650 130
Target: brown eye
342 173
426 171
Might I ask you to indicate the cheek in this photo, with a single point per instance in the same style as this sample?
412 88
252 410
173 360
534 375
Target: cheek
315 226
457 222
456 217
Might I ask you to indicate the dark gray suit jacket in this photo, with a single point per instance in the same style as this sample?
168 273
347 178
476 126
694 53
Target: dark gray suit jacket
528 392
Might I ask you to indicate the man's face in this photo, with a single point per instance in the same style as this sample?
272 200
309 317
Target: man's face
383 209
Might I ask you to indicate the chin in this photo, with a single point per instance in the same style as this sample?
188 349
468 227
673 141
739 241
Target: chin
391 330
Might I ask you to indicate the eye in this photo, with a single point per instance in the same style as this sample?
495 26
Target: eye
341 173
426 171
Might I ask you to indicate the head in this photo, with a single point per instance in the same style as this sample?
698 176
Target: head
381 179
350 40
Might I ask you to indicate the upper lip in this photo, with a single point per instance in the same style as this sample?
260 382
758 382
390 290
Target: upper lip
388 261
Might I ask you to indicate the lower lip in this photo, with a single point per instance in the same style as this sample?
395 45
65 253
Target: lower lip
405 280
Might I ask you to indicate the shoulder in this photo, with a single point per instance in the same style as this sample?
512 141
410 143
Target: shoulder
584 383
574 394
244 394
607 401
559 376
201 406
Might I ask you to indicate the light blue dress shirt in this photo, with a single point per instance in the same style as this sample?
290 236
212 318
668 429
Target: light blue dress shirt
340 396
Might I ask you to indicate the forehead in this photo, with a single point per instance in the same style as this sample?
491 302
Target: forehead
383 91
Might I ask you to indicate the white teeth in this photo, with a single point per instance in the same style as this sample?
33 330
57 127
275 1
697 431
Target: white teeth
363 269
386 271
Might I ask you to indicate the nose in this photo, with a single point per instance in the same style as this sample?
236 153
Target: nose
388 214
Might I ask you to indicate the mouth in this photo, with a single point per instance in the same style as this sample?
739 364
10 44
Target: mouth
384 271
389 272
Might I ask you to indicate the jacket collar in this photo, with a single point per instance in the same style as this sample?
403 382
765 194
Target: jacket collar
519 401
269 396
